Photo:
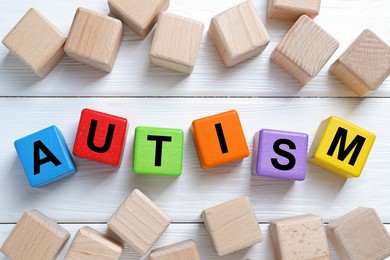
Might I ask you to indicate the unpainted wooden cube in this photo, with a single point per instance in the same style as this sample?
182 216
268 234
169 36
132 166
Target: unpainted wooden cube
139 222
36 42
139 15
185 250
291 10
299 237
304 50
94 39
232 226
35 236
364 65
176 42
238 33
90 244
359 235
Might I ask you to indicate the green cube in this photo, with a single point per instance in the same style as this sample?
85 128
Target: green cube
158 151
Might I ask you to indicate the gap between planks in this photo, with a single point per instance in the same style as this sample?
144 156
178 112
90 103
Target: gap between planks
172 223
195 97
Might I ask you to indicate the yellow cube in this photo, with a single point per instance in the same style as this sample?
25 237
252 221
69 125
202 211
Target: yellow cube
341 147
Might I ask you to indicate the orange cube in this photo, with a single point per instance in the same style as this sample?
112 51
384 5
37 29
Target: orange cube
219 139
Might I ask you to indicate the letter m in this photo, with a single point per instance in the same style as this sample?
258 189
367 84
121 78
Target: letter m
341 138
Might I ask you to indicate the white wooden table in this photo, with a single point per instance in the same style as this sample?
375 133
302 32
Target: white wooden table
264 95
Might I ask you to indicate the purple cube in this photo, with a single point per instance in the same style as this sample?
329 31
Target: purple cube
280 154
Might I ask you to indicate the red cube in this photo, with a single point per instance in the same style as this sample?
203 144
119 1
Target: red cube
100 137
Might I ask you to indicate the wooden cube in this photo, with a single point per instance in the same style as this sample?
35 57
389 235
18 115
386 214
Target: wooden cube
36 42
280 154
176 42
238 33
94 39
35 236
291 10
90 244
304 50
219 139
139 15
139 222
299 237
360 234
44 156
232 226
158 151
186 250
341 147
364 65
100 137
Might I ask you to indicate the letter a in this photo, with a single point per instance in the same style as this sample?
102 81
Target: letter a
50 157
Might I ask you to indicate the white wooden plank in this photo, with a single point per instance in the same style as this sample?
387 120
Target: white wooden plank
176 233
96 190
133 75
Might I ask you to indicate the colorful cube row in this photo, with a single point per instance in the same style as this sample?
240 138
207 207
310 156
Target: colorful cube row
232 226
238 34
339 146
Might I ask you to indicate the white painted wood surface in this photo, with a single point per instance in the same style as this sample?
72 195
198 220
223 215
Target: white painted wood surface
265 97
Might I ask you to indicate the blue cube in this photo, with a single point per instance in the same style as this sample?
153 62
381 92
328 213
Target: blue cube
45 156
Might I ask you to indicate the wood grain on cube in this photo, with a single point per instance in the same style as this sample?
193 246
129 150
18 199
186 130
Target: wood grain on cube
291 10
299 237
36 42
35 236
360 234
90 244
238 33
139 15
139 222
304 50
364 65
232 226
185 250
176 42
94 39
